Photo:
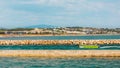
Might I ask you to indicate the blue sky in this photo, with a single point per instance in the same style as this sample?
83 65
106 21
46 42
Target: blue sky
84 13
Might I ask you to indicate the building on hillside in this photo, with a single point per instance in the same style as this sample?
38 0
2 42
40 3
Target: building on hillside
36 31
75 32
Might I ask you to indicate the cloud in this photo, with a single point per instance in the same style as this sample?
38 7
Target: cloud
70 5
42 2
66 11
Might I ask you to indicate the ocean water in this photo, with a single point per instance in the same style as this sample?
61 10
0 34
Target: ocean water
62 37
57 47
59 63
30 62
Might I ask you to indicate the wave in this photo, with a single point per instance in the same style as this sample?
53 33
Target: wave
110 47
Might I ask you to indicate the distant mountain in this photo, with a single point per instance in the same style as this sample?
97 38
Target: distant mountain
42 26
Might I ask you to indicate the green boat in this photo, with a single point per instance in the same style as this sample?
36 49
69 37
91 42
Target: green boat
89 46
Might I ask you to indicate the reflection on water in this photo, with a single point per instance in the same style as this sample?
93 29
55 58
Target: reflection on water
59 63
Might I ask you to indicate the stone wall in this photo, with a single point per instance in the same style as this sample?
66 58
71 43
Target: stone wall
55 42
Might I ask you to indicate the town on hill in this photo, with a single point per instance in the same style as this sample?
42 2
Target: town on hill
60 31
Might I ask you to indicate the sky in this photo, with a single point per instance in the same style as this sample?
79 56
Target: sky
83 13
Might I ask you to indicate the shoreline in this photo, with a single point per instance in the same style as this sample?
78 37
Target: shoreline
33 35
60 53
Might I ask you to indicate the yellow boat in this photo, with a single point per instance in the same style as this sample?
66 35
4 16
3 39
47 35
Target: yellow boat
89 46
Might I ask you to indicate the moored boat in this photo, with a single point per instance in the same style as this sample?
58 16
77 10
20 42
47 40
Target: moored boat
89 46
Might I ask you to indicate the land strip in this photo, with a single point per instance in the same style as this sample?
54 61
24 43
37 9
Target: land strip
58 42
60 53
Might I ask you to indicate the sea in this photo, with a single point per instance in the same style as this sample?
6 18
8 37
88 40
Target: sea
93 37
15 62
32 62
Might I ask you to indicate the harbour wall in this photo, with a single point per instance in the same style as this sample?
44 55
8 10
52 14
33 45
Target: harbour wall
58 42
59 53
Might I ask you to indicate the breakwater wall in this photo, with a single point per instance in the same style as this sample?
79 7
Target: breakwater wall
60 53
57 42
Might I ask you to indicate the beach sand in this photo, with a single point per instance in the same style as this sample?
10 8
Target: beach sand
60 53
32 35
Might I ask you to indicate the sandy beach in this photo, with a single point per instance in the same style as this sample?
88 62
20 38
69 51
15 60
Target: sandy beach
60 53
32 35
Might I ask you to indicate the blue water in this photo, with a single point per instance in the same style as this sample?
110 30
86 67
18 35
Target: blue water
14 62
57 47
59 63
62 37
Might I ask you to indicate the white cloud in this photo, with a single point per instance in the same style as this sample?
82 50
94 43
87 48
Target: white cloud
73 10
72 5
43 2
